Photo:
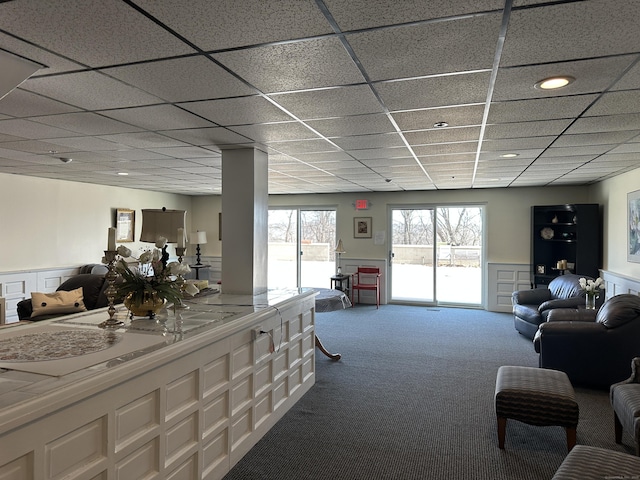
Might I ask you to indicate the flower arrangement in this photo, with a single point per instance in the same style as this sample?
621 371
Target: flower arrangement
591 287
153 277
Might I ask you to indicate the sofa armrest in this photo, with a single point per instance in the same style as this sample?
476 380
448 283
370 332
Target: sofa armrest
534 296
25 309
572 302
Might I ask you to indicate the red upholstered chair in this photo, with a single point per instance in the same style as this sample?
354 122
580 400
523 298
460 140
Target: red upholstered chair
366 278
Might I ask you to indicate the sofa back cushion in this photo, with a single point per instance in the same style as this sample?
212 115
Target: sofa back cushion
566 286
619 310
91 287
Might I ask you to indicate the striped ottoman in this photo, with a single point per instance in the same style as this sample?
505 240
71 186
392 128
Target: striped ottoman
591 463
535 396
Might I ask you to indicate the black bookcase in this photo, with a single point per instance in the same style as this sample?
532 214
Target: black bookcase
565 232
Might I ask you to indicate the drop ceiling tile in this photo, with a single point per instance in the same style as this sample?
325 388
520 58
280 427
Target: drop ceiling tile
237 111
269 132
627 148
523 129
539 109
427 49
86 123
592 75
313 63
303 146
206 136
522 154
322 157
353 125
328 103
606 138
445 149
20 103
435 159
182 152
368 154
516 144
557 32
51 63
441 135
385 140
31 130
610 123
458 116
79 90
434 92
359 14
631 80
143 140
181 79
615 103
230 24
377 163
122 34
157 117
86 143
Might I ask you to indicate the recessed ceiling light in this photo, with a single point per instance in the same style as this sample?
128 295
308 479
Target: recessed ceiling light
440 124
554 82
509 155
124 174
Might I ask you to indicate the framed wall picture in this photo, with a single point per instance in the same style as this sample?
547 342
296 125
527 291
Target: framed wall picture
633 222
125 224
541 269
362 227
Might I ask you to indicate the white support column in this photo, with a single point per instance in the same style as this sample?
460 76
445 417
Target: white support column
245 209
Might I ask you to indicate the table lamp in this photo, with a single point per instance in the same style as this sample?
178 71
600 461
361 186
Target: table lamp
199 238
163 223
339 250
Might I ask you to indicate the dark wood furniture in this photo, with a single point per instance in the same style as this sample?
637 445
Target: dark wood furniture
569 232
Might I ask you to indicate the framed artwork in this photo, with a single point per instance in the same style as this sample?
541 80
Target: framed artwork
633 221
361 227
541 269
125 224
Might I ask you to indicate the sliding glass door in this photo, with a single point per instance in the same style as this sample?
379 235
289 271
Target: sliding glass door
436 255
301 248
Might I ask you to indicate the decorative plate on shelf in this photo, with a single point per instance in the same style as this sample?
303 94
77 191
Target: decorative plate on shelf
547 233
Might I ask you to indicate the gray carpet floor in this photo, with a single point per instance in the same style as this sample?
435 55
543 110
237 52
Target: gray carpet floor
412 398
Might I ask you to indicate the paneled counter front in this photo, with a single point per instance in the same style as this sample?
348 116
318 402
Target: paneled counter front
182 396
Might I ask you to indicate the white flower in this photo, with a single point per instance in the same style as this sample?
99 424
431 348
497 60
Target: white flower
124 251
177 268
591 286
191 289
146 257
161 242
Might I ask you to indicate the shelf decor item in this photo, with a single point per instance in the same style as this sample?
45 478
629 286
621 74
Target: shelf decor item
547 233
592 289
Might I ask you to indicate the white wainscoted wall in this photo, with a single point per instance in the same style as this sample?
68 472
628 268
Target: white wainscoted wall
616 284
502 280
350 265
16 286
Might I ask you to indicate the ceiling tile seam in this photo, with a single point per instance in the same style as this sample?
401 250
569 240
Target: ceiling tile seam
506 15
352 54
580 115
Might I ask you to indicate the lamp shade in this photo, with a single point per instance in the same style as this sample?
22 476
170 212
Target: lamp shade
161 223
339 247
198 237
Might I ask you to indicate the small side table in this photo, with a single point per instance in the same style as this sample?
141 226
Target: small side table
197 269
341 282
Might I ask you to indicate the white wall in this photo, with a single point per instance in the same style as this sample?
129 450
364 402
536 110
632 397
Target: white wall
53 223
508 215
612 193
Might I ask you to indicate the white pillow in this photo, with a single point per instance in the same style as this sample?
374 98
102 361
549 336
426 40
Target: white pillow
57 302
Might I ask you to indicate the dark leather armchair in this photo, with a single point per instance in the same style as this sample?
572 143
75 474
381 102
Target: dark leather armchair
531 307
593 349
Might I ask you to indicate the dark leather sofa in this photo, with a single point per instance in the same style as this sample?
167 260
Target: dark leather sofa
594 349
531 307
93 289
